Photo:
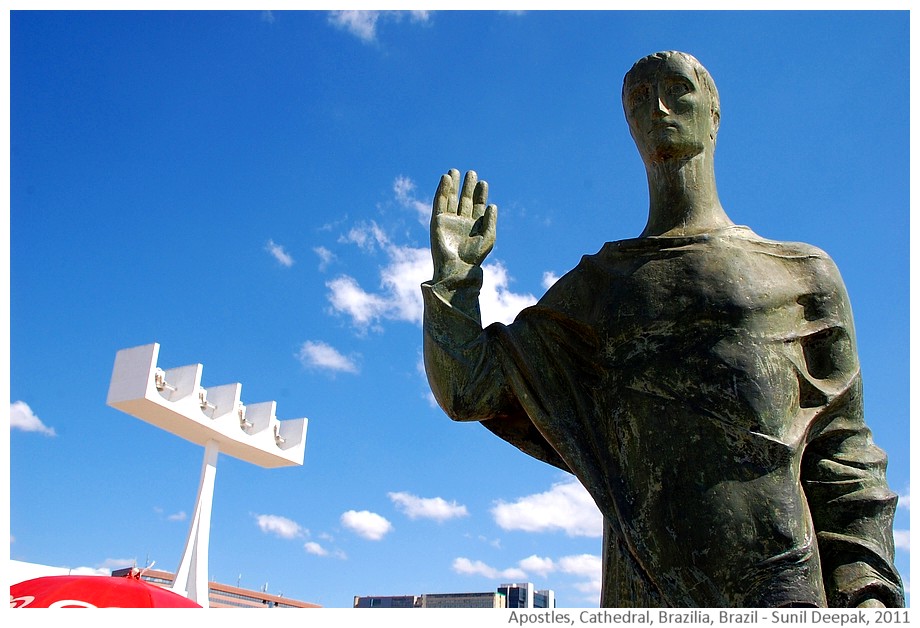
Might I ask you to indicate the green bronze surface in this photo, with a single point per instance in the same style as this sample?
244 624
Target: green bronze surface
701 381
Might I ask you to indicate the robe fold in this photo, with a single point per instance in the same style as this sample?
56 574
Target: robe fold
706 391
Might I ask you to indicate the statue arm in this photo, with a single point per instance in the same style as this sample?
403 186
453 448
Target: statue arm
843 471
464 376
843 474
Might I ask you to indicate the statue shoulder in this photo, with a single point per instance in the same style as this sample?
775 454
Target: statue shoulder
802 251
571 293
810 264
779 247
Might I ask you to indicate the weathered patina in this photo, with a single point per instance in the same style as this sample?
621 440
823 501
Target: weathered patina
701 381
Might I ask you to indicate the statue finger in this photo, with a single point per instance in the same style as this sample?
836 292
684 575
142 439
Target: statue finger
454 175
442 196
480 196
466 194
489 222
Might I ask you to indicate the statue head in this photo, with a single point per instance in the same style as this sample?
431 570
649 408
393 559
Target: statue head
672 106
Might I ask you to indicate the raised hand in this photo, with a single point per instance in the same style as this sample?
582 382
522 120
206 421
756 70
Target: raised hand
462 229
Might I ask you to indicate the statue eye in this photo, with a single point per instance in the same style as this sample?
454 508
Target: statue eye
639 95
678 89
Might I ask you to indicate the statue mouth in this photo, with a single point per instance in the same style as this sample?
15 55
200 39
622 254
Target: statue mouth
659 127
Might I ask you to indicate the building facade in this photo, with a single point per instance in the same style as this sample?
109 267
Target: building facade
463 600
224 595
388 601
521 595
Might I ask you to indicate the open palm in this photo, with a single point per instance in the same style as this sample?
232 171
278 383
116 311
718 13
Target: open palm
462 226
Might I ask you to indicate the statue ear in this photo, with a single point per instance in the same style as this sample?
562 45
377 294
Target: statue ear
716 117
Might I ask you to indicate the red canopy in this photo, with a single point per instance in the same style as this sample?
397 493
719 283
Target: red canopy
94 592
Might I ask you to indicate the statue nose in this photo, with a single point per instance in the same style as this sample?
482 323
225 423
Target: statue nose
659 109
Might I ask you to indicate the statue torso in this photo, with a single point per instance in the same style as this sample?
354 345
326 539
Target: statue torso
713 354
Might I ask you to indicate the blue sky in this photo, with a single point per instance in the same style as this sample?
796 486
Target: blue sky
251 190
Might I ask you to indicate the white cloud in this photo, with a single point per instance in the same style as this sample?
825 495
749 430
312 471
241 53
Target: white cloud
348 297
427 507
904 500
403 188
399 297
401 279
566 506
22 418
363 24
315 548
902 540
366 524
469 567
268 16
585 567
279 526
496 302
326 257
324 356
367 236
538 565
549 278
179 516
109 564
95 571
279 254
581 565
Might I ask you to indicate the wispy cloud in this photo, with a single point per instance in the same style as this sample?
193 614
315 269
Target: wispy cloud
496 301
367 235
95 571
320 355
268 16
326 257
277 251
586 568
567 506
398 297
314 548
363 24
366 524
435 508
403 188
177 516
538 565
901 536
281 527
469 567
22 418
549 278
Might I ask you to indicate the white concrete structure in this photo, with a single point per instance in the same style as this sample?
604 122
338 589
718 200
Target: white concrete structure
215 418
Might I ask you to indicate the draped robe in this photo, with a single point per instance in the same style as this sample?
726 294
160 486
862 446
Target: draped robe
706 391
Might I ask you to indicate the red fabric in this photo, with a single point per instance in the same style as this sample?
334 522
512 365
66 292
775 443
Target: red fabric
94 592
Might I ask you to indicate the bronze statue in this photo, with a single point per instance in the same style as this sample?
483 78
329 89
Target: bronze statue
702 382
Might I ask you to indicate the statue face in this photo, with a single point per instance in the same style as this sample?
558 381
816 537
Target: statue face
669 111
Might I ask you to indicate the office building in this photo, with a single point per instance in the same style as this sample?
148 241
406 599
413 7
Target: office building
463 600
520 595
388 601
523 595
